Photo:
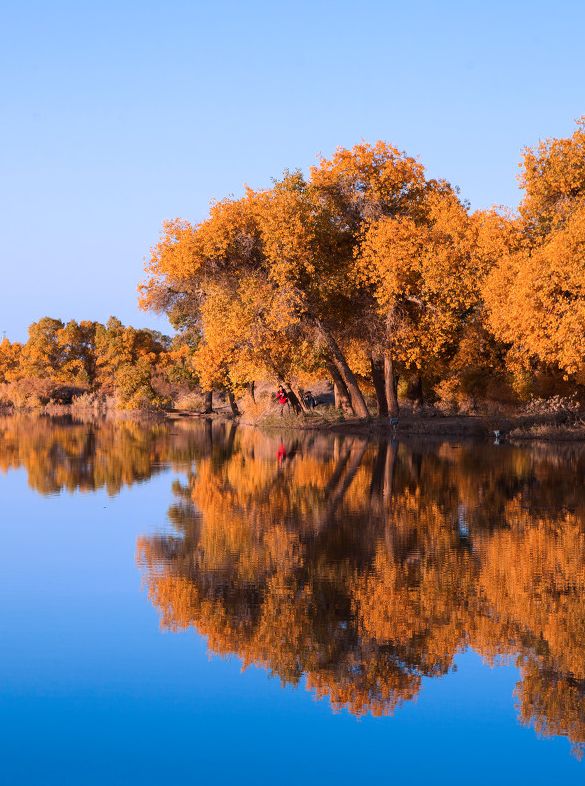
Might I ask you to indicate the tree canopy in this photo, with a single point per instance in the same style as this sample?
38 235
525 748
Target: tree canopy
367 270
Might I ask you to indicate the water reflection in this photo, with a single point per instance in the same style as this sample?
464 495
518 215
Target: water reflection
62 454
360 567
366 567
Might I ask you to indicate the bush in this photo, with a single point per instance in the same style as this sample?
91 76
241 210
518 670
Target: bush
92 402
65 394
547 431
555 405
134 388
452 398
191 401
27 393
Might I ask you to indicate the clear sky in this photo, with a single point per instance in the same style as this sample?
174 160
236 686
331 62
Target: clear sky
116 115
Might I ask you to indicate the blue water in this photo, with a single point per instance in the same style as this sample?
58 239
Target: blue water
92 691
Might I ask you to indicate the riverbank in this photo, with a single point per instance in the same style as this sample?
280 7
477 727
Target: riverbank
513 427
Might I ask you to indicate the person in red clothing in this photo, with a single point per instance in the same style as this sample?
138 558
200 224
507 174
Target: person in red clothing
282 398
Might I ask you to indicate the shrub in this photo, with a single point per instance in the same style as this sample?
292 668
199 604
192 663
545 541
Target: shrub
555 405
27 393
134 388
191 400
92 402
452 397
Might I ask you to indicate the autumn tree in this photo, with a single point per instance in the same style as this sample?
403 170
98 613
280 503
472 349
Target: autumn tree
360 186
77 341
43 354
240 280
535 295
536 299
189 262
298 239
10 359
126 361
477 366
308 257
423 274
553 179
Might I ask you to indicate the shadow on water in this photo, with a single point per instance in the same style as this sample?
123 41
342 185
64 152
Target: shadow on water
359 566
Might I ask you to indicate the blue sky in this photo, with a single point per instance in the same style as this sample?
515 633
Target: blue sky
116 115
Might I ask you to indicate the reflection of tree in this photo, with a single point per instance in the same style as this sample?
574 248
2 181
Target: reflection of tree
552 702
533 578
365 567
362 567
63 454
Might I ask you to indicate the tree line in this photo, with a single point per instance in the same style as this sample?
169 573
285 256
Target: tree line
136 368
365 272
369 272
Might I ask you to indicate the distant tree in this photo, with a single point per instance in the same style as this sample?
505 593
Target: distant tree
77 340
43 355
10 360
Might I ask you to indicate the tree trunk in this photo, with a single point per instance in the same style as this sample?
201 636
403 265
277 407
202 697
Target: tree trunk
336 448
252 391
208 402
209 434
377 366
392 450
358 402
377 482
340 392
390 386
391 534
341 481
417 390
336 397
233 405
229 443
294 400
298 394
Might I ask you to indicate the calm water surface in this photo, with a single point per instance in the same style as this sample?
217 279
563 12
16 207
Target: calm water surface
194 603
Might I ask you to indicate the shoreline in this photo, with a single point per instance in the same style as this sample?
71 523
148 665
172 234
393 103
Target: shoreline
512 428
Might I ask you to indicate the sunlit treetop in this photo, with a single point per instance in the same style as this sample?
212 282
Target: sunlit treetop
553 176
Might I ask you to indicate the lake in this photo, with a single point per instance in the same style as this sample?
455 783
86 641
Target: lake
191 602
